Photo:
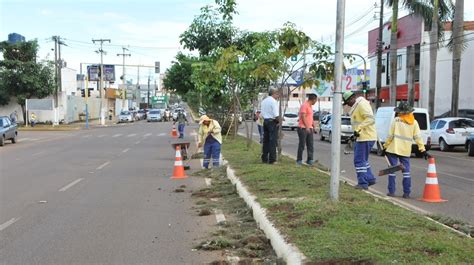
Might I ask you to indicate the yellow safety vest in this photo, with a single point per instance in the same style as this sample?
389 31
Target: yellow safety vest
363 121
401 136
215 130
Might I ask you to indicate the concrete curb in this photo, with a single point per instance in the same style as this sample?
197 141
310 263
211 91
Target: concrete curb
283 249
47 129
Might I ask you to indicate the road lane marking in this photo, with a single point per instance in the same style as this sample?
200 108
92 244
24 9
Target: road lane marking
39 153
453 157
71 184
8 223
208 181
137 142
86 136
146 135
220 218
117 135
444 173
131 135
126 150
161 134
103 165
193 133
102 135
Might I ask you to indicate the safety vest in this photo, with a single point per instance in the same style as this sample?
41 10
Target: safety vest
215 130
401 136
363 121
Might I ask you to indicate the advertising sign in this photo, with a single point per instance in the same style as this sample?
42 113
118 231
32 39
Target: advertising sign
93 72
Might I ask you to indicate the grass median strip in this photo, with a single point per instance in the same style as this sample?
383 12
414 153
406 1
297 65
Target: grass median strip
359 228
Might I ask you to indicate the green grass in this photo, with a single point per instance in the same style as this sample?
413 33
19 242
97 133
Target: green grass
359 228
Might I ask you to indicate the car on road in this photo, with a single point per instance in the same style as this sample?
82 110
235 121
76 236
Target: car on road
325 128
141 114
125 116
463 113
154 115
451 132
470 144
8 130
290 121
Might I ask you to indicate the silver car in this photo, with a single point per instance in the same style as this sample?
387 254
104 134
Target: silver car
154 115
325 130
8 130
125 116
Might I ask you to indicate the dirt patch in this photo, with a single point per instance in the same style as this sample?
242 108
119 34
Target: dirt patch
204 212
182 186
179 190
283 207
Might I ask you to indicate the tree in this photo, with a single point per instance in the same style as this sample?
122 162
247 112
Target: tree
418 7
178 76
442 10
22 76
457 38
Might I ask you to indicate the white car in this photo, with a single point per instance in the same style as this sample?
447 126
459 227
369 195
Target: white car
290 121
325 128
450 132
125 116
154 115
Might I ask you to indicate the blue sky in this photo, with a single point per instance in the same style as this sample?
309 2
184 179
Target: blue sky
151 28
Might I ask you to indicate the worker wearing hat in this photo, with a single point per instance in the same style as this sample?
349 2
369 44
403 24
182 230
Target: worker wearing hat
363 124
209 137
403 131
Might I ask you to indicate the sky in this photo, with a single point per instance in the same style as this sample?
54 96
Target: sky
150 29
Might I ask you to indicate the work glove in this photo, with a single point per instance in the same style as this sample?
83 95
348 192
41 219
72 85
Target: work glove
384 152
356 134
425 155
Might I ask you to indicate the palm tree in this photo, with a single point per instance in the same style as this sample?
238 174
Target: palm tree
457 38
418 7
442 10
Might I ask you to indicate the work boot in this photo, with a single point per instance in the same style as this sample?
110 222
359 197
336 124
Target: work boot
406 195
391 194
372 183
359 187
299 163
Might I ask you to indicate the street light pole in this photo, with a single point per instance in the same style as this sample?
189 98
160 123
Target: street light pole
337 106
101 78
123 54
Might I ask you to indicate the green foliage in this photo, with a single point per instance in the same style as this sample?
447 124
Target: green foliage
227 8
21 76
178 77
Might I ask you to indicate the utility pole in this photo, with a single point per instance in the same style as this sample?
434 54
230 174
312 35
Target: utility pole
101 77
337 106
57 72
379 59
123 54
148 94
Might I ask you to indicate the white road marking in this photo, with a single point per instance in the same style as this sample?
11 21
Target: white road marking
86 136
126 150
208 181
444 173
161 134
24 139
70 184
8 223
117 135
193 133
103 165
102 135
39 153
146 135
454 157
220 218
137 142
131 135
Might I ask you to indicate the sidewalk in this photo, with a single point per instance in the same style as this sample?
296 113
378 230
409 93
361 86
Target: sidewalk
359 228
71 126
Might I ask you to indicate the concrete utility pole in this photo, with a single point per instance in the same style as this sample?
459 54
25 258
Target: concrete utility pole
101 77
148 94
57 71
123 54
337 102
379 59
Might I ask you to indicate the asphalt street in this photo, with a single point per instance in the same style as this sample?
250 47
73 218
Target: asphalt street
98 196
455 175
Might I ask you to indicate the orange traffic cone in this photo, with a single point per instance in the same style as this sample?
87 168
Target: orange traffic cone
432 192
178 171
174 133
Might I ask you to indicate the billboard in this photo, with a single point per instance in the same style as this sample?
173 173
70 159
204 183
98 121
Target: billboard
94 70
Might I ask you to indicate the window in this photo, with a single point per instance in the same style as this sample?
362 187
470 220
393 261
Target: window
295 95
440 124
461 124
433 125
422 120
399 62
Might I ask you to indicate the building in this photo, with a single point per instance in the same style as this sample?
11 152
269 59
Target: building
15 37
412 34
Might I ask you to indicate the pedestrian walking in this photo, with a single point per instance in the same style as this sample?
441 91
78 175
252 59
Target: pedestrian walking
363 124
403 130
270 114
13 116
306 130
259 121
182 120
210 137
33 119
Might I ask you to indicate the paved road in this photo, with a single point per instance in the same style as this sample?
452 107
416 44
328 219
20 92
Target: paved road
99 196
455 175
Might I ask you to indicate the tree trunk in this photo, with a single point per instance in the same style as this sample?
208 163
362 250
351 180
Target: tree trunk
23 112
393 55
433 58
458 28
280 134
411 75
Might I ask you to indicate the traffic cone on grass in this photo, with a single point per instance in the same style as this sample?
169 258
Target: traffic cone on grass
174 133
432 192
178 171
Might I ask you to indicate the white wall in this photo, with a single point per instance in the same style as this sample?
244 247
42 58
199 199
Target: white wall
68 80
401 74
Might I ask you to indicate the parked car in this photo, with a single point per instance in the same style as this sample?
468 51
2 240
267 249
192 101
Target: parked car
154 115
125 116
8 130
470 144
141 114
325 128
463 113
383 120
290 121
450 132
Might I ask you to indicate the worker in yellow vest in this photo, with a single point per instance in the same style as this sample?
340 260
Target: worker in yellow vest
210 137
363 124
